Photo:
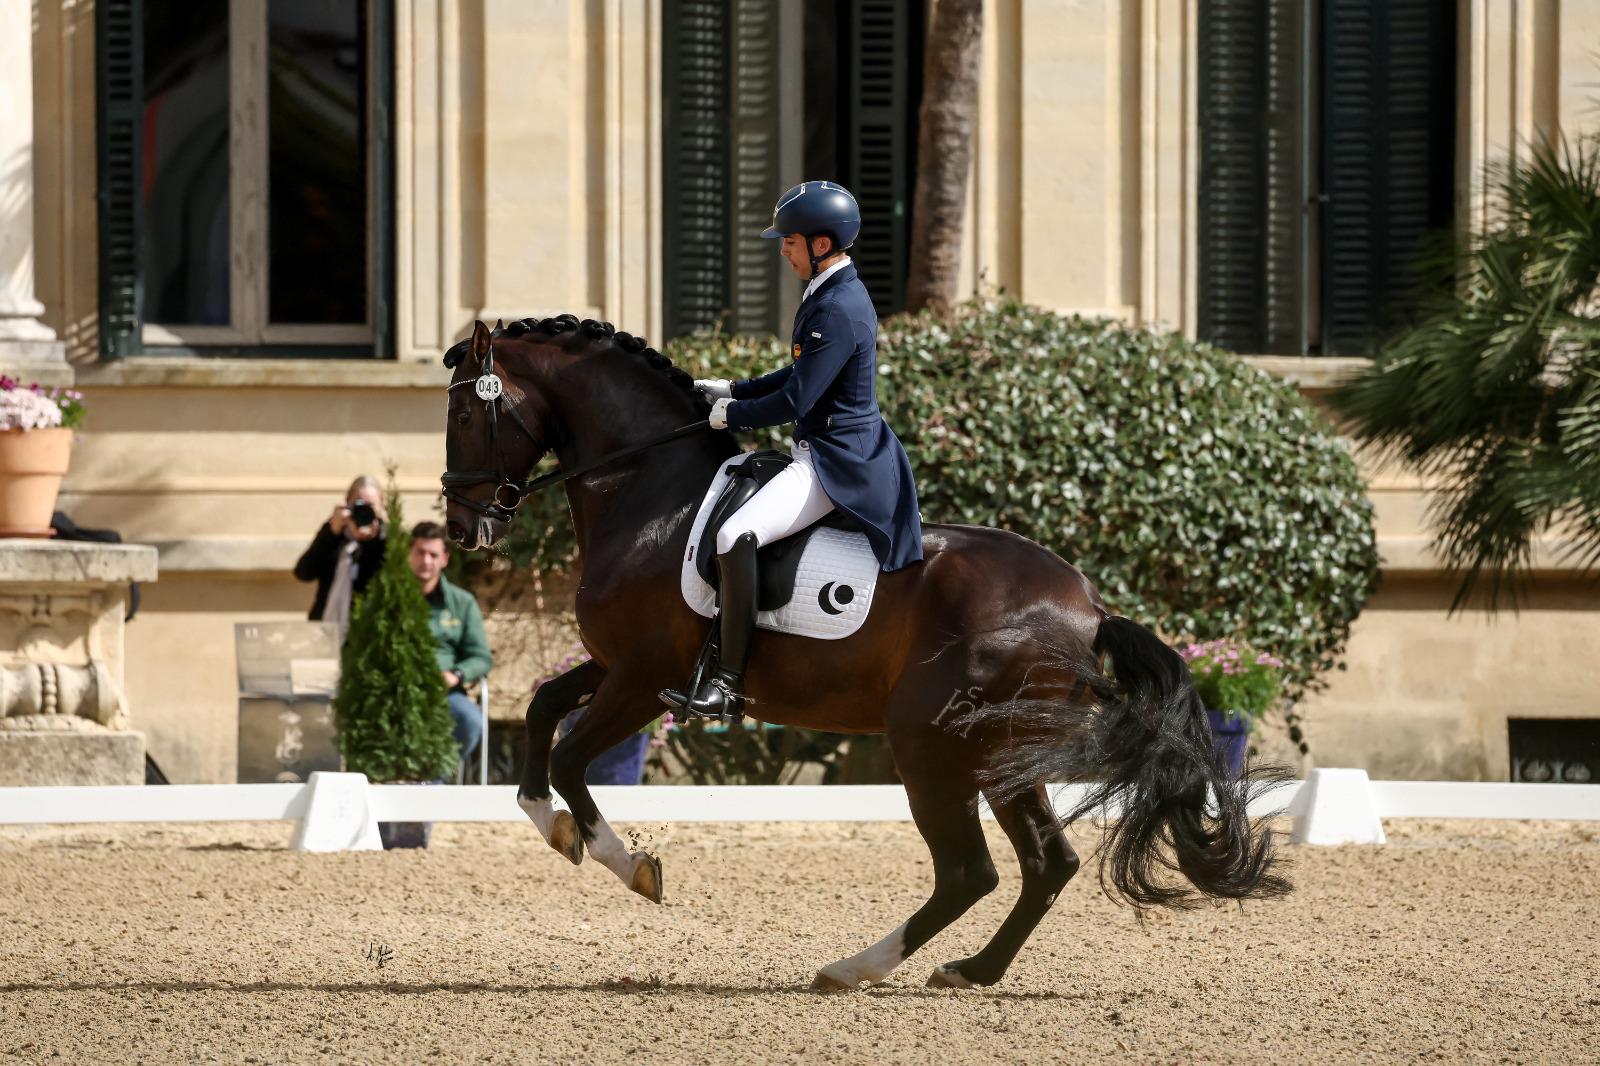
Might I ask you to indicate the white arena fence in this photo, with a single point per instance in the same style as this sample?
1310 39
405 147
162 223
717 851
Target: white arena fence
339 811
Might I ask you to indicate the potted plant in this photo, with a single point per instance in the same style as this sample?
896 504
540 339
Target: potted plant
1238 684
35 447
391 710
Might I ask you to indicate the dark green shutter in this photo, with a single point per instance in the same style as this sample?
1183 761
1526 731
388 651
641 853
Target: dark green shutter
754 180
695 165
720 165
1252 192
381 79
880 109
119 95
1388 157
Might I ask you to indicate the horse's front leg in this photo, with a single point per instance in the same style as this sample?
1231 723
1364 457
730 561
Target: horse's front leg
615 712
553 701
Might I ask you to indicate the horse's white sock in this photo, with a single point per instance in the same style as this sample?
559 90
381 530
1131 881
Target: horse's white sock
873 964
608 849
540 811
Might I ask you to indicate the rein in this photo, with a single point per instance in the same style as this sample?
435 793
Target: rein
510 492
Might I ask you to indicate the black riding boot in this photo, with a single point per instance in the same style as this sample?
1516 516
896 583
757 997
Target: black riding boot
721 692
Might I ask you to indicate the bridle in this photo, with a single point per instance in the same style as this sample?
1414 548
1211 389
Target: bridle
508 491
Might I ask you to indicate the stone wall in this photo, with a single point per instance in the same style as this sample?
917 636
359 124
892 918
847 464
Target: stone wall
528 182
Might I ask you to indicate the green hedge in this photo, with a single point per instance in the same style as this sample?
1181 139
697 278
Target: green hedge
1203 497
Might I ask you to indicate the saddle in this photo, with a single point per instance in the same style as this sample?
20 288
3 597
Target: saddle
778 563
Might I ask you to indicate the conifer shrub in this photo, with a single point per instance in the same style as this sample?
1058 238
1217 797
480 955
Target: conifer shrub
391 712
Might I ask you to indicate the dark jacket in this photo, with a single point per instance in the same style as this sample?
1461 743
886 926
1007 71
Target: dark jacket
830 391
322 558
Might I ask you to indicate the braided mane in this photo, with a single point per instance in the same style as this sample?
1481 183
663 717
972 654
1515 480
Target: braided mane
571 334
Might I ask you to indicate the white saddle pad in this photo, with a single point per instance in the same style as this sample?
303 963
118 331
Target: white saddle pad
832 588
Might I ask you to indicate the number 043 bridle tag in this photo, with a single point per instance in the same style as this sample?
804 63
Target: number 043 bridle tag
489 388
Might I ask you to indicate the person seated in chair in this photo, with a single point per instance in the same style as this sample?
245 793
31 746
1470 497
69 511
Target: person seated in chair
845 455
457 624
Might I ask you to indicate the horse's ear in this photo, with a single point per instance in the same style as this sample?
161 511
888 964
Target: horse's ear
480 342
499 325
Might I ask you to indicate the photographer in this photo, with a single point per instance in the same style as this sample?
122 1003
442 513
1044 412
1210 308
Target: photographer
346 552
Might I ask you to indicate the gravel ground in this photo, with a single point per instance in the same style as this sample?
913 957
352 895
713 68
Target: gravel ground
1460 941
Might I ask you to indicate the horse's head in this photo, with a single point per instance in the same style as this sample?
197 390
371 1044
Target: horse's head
498 428
579 388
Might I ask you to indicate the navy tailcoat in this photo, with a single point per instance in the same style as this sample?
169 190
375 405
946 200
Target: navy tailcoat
830 390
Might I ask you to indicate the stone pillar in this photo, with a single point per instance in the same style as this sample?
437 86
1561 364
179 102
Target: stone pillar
25 342
63 714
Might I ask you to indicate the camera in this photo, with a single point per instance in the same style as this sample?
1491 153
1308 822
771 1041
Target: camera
362 514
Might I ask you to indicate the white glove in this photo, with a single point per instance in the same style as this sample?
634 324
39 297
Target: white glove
715 388
719 413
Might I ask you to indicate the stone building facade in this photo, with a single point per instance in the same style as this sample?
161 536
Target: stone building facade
516 157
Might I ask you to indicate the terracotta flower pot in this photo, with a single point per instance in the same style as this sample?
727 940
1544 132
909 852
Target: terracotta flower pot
32 464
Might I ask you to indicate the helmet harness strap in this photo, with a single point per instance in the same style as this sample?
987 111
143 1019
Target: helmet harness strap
811 253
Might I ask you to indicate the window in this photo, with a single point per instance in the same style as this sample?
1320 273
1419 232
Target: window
727 121
244 169
1327 157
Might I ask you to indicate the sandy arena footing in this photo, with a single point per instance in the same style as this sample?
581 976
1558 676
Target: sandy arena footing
1459 941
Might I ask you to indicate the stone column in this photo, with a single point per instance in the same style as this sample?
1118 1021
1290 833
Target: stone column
25 342
63 713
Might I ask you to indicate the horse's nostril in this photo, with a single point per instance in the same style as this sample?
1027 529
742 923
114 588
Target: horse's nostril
456 533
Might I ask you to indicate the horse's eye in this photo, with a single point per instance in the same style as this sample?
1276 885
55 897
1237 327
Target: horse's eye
463 418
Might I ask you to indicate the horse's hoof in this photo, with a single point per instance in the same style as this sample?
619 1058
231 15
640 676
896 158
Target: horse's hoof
947 976
646 878
826 982
565 838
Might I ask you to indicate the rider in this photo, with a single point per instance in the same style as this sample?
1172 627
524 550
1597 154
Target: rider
845 454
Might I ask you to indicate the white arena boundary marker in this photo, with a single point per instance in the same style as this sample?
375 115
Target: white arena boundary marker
337 815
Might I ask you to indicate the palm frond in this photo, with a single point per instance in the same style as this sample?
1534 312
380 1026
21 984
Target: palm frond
1495 392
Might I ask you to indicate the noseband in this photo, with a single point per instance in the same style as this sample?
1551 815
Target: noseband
508 491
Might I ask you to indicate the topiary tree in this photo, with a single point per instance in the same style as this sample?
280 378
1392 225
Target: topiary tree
1203 496
391 714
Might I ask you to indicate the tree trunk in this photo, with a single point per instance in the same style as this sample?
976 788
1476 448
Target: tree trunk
944 151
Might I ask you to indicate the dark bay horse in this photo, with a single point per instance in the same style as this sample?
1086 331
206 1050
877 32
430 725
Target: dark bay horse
982 663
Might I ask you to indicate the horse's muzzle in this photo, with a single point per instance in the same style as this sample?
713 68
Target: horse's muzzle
479 531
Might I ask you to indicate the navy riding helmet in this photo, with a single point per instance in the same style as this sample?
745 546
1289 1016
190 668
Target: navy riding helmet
813 208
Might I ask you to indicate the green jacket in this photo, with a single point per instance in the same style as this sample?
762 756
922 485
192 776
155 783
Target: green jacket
457 626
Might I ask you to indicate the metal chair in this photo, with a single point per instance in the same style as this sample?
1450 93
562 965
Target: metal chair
483 739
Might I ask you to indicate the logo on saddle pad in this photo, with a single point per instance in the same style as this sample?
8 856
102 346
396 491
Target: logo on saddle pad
797 351
829 596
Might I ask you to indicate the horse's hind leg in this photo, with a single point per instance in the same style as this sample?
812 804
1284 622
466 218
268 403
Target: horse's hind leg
1048 863
554 700
614 713
943 797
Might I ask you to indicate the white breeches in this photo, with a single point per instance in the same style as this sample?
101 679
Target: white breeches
788 503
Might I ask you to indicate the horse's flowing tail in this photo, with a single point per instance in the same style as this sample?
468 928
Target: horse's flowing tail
1144 749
